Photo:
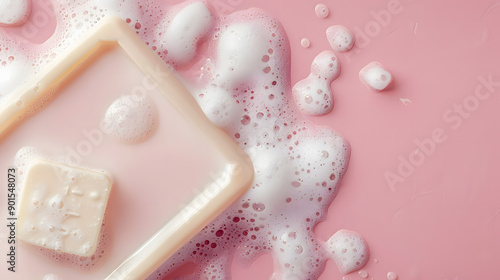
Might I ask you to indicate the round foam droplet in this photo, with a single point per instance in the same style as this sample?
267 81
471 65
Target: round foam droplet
363 274
392 276
51 277
14 12
375 76
305 43
131 119
340 38
183 34
348 250
313 94
321 10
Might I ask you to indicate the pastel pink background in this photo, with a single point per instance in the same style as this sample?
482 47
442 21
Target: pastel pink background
441 222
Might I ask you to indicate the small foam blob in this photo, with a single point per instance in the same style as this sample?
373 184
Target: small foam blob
240 52
313 94
14 12
392 276
51 277
186 30
348 250
375 76
363 274
305 43
13 73
340 38
131 119
321 10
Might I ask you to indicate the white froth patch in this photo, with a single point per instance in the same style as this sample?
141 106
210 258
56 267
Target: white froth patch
185 32
305 43
218 105
340 38
240 52
348 250
14 12
313 94
13 73
52 277
375 76
321 10
131 119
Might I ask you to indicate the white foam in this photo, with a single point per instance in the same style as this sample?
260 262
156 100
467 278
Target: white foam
186 30
244 88
241 48
321 10
305 43
52 277
14 12
131 119
375 76
340 38
313 94
348 250
13 73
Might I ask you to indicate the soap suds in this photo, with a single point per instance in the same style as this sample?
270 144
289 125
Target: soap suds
313 94
321 10
348 250
243 85
375 76
131 119
305 43
340 38
185 31
14 12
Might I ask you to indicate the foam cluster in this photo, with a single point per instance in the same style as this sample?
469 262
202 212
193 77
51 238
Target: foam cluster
348 250
237 67
131 119
375 76
313 94
183 34
14 12
340 38
321 10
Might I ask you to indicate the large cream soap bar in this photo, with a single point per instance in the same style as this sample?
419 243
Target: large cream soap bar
169 181
62 207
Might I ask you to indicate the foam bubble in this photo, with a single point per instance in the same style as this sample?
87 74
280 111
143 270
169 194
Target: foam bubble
375 76
340 38
392 276
186 30
240 52
305 43
313 94
131 119
51 277
321 10
14 12
348 250
14 71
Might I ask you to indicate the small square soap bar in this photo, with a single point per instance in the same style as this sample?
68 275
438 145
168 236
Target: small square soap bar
62 207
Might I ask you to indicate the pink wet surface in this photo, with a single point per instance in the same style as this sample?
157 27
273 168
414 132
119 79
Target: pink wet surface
441 222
